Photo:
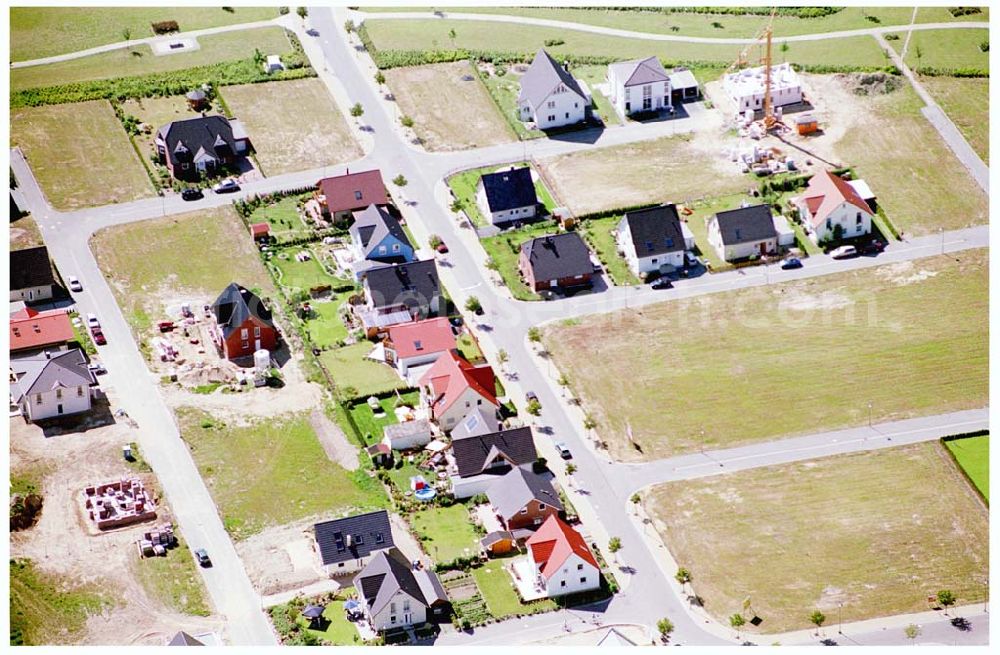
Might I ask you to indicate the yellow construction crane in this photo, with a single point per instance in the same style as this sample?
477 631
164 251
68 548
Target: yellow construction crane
743 60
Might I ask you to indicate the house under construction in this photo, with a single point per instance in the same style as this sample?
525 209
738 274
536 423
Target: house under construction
118 503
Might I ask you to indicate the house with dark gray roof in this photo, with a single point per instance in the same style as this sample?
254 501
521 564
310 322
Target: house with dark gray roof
184 639
396 593
550 96
51 384
377 239
744 232
653 240
243 323
477 462
201 145
507 196
410 289
31 278
347 544
639 85
523 499
556 261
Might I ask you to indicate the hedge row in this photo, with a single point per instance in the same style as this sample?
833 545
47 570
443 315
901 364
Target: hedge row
951 72
797 12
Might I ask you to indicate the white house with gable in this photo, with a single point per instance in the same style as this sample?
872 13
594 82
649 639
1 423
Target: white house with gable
551 97
639 85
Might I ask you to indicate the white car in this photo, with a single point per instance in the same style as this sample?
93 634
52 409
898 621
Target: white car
843 252
74 283
92 321
226 186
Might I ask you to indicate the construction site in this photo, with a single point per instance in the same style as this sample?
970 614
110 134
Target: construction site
118 503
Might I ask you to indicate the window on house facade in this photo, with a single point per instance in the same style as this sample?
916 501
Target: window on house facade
79 392
583 579
357 195
859 219
245 345
406 606
392 609
244 333
567 114
579 567
58 394
381 250
562 583
256 330
38 399
395 247
552 104
524 510
552 117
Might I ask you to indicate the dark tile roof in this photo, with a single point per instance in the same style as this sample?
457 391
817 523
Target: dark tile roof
557 256
235 305
655 230
44 371
409 284
388 573
190 139
30 268
184 639
509 189
368 533
514 491
473 453
373 225
746 224
541 79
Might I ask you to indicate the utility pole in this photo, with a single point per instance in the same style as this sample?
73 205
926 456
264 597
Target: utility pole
869 415
840 618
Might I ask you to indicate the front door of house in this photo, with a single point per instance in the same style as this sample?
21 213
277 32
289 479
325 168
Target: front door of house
256 344
59 409
407 618
763 247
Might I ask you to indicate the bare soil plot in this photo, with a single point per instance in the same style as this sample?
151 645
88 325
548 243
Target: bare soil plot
294 124
878 532
808 356
24 233
967 103
450 108
80 154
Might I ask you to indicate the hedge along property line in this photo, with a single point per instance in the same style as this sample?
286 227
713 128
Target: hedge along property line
929 71
135 146
795 12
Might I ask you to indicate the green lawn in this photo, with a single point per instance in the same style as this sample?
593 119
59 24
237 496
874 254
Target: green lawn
945 49
464 186
505 250
704 210
197 254
339 631
326 327
292 477
368 424
283 217
967 103
808 356
401 476
504 90
349 368
46 609
336 630
876 531
973 455
446 532
174 580
38 32
469 349
600 234
594 75
294 275
497 589
140 60
60 141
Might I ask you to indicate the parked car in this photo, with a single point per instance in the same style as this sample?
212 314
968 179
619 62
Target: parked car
192 194
74 283
690 260
563 450
531 395
844 252
92 321
97 369
791 262
98 335
165 326
663 283
202 556
226 186
442 248
873 247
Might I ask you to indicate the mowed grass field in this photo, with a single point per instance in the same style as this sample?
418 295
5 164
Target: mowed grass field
434 34
947 49
918 180
445 533
670 169
196 254
973 455
449 112
878 531
294 125
140 60
37 32
802 357
967 103
80 154
292 477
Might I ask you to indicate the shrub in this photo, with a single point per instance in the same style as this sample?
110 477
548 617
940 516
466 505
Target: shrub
892 37
165 27
964 11
282 10
551 43
984 46
406 121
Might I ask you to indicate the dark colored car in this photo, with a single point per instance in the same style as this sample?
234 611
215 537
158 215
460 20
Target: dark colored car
192 194
791 262
98 336
873 247
663 283
202 555
442 248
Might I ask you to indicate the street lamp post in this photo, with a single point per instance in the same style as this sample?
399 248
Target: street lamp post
869 415
703 441
840 618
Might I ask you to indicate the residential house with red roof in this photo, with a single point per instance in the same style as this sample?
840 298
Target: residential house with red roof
560 560
418 343
342 195
453 386
831 209
31 330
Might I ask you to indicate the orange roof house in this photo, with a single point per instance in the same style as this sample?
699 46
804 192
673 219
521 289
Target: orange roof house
825 193
564 563
453 386
32 330
419 342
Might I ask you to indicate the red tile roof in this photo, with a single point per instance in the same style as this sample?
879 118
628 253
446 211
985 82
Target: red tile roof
421 337
33 329
826 192
554 542
259 229
451 375
342 192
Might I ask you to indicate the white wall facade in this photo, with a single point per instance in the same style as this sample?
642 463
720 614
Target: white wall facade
31 294
451 416
404 364
575 575
56 402
506 216
350 567
469 487
854 221
409 441
737 251
640 97
403 610
639 265
562 107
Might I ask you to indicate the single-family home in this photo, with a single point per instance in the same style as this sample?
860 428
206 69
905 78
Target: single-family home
556 261
452 386
522 499
832 209
550 96
202 145
683 85
32 330
49 384
639 85
184 639
743 232
746 87
342 195
507 196
481 419
243 323
397 594
418 343
31 278
377 238
399 293
560 558
408 434
477 462
653 240
347 544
